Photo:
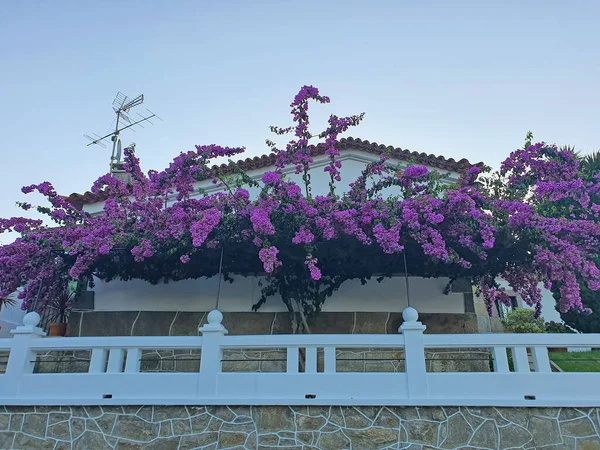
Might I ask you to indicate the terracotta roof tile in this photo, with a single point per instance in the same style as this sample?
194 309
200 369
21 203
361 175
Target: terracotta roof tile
261 162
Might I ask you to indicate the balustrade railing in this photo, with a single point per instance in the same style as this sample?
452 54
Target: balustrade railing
294 369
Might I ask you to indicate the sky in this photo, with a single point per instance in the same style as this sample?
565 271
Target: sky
462 79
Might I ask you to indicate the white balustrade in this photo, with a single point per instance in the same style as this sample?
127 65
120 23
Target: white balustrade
311 376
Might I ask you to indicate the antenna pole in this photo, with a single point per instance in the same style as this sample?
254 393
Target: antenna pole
115 138
121 105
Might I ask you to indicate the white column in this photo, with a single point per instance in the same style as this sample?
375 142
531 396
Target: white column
21 358
414 354
211 355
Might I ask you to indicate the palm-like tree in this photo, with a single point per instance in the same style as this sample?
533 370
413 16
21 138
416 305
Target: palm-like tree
589 165
4 302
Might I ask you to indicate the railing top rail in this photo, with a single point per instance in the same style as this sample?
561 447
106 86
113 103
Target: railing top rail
107 342
5 343
315 340
511 340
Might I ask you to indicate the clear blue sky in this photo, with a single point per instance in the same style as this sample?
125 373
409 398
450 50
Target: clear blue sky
456 78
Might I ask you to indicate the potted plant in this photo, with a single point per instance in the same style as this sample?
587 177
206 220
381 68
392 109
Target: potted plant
59 309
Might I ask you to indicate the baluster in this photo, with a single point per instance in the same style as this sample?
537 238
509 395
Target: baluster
292 360
329 362
98 361
115 360
311 360
133 361
520 359
500 359
541 362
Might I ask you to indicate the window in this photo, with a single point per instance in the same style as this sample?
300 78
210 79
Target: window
503 310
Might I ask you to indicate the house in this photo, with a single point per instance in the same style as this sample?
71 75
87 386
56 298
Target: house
375 307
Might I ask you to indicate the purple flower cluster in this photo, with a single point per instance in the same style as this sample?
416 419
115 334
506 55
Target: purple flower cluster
500 228
202 228
311 263
268 256
271 178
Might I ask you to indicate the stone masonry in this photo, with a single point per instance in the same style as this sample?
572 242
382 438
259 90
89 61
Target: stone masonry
181 323
296 428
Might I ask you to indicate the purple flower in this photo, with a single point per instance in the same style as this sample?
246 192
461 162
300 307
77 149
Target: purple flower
415 171
184 259
269 258
311 262
271 178
303 236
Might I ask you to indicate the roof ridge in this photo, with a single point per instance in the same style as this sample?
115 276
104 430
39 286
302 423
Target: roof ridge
266 160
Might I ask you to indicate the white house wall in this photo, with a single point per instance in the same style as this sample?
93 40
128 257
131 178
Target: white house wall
549 312
200 295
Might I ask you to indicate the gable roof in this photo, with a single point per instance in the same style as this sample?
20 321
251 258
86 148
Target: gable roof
264 161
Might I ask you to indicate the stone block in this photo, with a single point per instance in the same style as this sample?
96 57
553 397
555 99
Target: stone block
370 323
422 432
333 441
240 323
187 323
592 443
153 323
60 431
514 436
90 440
332 323
6 439
282 323
107 323
273 419
24 441
73 326
4 421
545 431
486 436
16 422
195 441
581 427
229 439
134 428
372 438
355 418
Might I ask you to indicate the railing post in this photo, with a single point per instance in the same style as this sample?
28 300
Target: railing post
211 354
414 354
21 358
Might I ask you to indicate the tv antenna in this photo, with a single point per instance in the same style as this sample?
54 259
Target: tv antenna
121 106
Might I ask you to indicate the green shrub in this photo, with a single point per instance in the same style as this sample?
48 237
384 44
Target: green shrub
557 327
523 320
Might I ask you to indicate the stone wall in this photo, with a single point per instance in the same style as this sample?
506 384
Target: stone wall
325 428
173 323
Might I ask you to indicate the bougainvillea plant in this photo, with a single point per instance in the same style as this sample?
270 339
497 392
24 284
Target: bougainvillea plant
161 227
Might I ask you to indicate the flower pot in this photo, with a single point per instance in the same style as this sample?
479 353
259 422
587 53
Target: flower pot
57 329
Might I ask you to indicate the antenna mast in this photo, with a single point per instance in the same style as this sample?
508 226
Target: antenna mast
121 106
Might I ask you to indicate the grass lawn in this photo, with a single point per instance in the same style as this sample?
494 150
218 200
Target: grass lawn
577 361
